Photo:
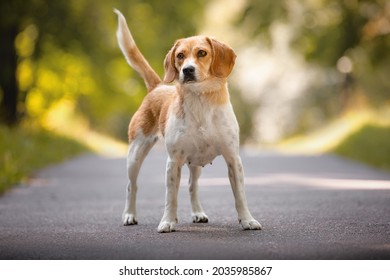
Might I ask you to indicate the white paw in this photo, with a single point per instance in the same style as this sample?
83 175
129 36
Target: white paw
199 217
166 226
250 224
129 219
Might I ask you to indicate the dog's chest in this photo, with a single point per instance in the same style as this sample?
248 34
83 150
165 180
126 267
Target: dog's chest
203 133
200 143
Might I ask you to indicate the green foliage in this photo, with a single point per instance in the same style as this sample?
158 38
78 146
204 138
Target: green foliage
258 16
369 145
325 31
25 149
67 52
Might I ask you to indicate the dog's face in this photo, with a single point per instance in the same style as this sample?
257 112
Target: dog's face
195 59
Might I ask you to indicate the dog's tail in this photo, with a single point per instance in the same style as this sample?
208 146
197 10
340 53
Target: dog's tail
133 55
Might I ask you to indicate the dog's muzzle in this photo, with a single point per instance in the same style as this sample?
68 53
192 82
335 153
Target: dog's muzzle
189 74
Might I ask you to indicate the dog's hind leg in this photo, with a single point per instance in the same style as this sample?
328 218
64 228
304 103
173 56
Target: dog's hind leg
198 215
138 149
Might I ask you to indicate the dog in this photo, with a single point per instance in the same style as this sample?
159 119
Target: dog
194 116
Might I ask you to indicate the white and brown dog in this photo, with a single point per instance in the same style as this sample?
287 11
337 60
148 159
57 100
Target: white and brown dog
194 116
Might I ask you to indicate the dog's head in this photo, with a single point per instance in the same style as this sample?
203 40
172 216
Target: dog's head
197 58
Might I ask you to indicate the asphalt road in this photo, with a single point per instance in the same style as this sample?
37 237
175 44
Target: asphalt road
310 207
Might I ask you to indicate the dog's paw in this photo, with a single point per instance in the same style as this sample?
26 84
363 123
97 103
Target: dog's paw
199 217
166 226
129 219
250 224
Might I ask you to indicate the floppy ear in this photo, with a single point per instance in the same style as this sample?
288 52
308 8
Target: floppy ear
223 59
169 65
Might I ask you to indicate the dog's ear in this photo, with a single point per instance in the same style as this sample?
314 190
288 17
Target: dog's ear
171 72
223 58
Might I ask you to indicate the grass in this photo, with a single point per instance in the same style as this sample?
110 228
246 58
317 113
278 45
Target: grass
28 148
57 135
370 144
326 138
362 134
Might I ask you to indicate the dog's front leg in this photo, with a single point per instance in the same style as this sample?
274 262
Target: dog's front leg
173 174
198 215
236 177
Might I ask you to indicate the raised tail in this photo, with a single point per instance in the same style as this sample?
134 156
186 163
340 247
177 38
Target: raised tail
133 55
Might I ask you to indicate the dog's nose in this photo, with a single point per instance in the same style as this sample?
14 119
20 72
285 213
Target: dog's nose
189 70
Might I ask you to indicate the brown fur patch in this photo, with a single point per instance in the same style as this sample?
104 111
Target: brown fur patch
217 97
152 115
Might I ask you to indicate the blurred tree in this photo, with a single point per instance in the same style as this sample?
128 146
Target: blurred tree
352 36
43 21
63 54
8 83
9 29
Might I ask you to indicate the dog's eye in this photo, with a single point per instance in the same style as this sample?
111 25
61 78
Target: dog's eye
180 56
202 53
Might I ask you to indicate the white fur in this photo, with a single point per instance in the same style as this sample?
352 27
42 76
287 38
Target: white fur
202 131
205 132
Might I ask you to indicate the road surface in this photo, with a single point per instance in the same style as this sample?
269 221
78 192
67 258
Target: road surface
310 207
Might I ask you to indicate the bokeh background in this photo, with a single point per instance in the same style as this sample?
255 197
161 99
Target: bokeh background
311 75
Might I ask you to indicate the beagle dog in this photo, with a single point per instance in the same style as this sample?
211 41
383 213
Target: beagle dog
194 116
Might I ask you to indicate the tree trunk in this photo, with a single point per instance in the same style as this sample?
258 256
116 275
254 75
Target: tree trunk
8 82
